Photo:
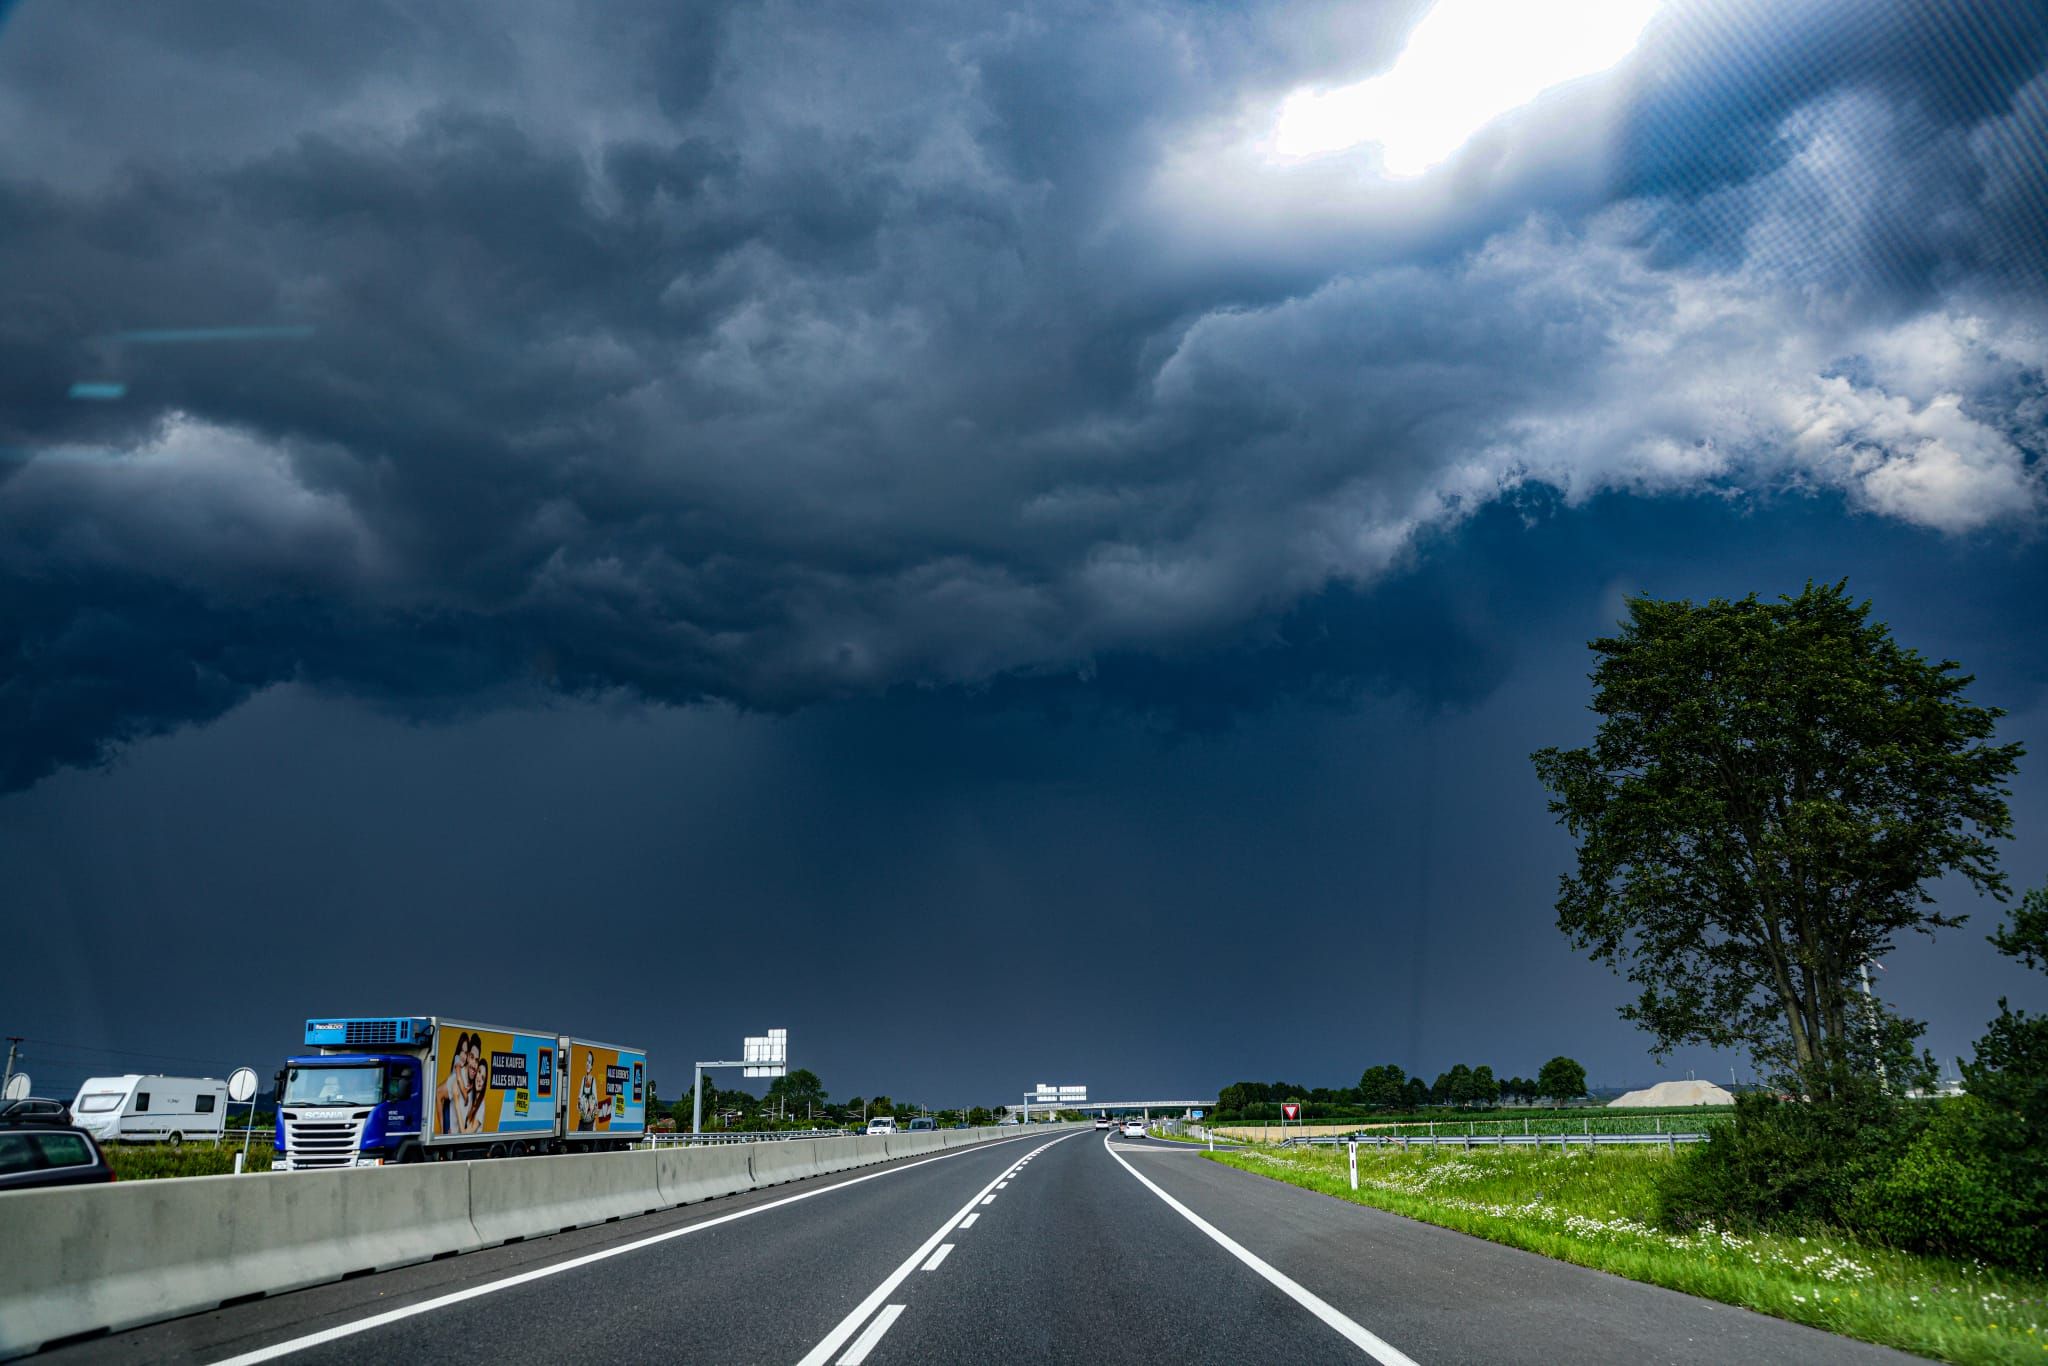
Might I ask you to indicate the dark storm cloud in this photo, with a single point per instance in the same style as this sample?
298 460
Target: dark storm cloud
1918 128
770 356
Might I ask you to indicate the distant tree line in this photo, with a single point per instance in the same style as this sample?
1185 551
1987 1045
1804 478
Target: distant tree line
795 1101
1387 1088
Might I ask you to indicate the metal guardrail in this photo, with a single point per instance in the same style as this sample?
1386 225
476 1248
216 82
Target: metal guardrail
742 1136
1671 1140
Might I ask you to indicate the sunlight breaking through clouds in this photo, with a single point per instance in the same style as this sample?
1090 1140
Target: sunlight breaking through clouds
1466 63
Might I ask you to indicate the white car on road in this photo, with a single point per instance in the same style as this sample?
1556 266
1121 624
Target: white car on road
1134 1128
882 1124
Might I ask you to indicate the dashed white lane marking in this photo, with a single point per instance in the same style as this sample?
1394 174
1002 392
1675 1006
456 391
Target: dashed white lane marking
939 1256
1001 1185
836 1339
884 1321
1376 1348
968 1222
300 1344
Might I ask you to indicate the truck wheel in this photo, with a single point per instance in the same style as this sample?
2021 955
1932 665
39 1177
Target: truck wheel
519 1150
408 1153
496 1150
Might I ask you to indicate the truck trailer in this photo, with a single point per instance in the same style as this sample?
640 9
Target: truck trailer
414 1088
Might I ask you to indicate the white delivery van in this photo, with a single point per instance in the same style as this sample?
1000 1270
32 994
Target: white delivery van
139 1109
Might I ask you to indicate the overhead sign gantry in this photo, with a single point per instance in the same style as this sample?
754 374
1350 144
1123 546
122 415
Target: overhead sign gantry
761 1055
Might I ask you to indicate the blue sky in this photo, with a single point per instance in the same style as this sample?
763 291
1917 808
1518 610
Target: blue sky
955 510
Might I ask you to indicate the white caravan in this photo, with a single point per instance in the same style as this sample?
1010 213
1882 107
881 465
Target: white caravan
138 1109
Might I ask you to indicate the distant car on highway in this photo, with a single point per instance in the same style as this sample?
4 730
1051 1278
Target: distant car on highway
39 1110
882 1124
1134 1128
923 1124
52 1155
1102 1121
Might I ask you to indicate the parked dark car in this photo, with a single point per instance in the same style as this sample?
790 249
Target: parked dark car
34 1110
50 1156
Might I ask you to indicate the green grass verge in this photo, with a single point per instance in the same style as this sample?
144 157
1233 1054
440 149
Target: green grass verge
142 1162
1595 1208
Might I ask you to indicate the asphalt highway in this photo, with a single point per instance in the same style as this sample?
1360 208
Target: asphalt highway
1063 1247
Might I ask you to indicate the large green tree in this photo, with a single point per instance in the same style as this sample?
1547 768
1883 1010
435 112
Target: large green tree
1381 1086
1771 788
1561 1079
1485 1089
799 1092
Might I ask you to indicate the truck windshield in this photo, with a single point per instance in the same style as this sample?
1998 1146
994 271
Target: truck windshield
357 1085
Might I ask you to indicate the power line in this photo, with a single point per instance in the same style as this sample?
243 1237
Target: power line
126 1052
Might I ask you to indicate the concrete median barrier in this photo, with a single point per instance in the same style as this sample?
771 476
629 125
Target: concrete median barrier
837 1154
528 1197
775 1163
687 1175
79 1259
912 1145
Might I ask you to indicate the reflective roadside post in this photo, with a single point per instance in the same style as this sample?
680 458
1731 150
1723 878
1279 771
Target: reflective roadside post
1354 1164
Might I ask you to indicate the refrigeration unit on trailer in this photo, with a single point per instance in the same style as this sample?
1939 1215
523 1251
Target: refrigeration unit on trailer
151 1109
407 1088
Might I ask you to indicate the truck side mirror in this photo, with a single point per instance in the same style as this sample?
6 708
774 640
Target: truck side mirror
277 1081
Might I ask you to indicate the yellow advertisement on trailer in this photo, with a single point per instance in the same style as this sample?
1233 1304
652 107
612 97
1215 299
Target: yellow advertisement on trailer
491 1082
607 1090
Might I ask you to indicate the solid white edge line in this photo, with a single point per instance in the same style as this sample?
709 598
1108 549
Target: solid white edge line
1373 1346
884 1321
339 1331
945 1249
836 1339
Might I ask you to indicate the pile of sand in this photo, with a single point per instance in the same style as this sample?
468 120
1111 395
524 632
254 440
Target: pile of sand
1673 1093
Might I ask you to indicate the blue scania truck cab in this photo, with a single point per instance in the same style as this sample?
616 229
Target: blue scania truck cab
357 1101
391 1089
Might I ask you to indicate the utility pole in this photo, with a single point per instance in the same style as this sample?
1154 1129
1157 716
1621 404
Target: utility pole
14 1042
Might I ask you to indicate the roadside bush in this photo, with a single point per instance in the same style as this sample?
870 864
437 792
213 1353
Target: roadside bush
139 1162
1964 1178
1950 1178
1953 1193
1786 1166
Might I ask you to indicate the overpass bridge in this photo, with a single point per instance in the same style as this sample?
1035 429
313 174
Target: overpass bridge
1088 1106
